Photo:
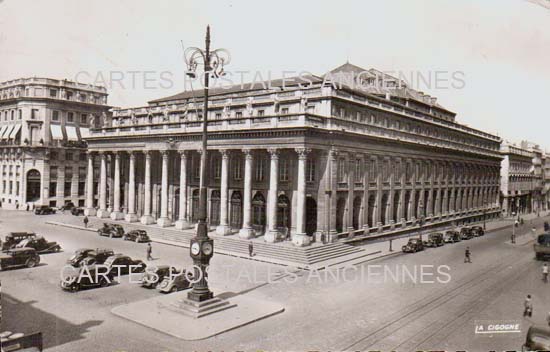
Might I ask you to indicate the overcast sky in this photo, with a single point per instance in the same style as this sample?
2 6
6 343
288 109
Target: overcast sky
500 48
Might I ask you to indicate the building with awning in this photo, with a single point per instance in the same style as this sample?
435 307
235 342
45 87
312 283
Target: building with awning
42 155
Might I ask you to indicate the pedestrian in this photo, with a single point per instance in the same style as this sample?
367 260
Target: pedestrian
17 206
545 273
548 319
27 207
250 249
521 221
528 305
467 258
149 251
546 226
85 220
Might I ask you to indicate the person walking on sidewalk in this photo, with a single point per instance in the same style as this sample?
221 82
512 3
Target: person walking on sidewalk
548 319
467 254
250 249
545 273
85 221
149 251
528 305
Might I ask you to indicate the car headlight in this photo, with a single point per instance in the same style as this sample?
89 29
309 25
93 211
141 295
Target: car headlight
163 284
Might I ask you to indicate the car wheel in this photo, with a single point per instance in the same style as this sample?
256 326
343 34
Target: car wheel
103 282
174 289
31 263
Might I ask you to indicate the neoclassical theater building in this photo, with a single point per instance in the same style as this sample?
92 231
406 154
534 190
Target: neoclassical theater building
304 159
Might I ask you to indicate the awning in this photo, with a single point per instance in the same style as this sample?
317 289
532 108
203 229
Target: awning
84 132
7 132
56 131
2 130
71 133
14 132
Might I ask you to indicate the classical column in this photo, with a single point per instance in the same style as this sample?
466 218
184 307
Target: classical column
272 233
182 222
117 214
164 221
147 219
90 210
103 212
351 192
131 215
223 228
332 194
300 238
247 231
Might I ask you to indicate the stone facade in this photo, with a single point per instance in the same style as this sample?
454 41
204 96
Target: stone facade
300 161
42 155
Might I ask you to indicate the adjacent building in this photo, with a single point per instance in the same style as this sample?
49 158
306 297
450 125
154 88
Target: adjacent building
42 152
305 158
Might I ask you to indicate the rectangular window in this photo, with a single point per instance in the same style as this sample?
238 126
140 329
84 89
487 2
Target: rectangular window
53 189
261 164
70 117
67 190
261 112
310 170
20 114
69 156
283 169
81 188
53 155
11 187
55 115
341 170
17 188
53 93
238 168
69 95
84 118
238 114
284 111
13 115
358 170
82 172
68 172
3 186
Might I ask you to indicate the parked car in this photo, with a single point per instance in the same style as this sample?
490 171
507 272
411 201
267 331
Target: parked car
153 276
18 257
434 240
68 206
542 246
466 233
90 278
478 231
537 339
40 245
81 254
44 210
136 235
175 282
77 211
452 236
13 238
414 245
111 230
124 264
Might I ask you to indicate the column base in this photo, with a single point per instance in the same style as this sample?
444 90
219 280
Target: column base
164 222
90 212
332 236
147 220
182 225
301 239
224 230
117 215
131 217
272 236
103 213
246 233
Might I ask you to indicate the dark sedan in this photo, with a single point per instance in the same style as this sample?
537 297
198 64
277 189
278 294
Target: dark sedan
19 257
40 245
111 230
123 264
87 277
44 210
81 255
414 245
137 236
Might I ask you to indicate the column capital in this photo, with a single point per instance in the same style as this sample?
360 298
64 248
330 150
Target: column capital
224 153
164 153
302 152
132 154
274 152
148 153
117 154
183 154
247 153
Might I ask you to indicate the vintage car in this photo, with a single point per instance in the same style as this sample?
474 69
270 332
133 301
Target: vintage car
175 282
82 254
155 275
111 230
137 236
18 257
414 245
542 246
86 277
434 240
20 342
537 339
123 264
40 245
77 211
478 231
68 206
466 233
13 238
44 210
452 236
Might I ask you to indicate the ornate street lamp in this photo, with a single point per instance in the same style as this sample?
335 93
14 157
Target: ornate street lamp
201 246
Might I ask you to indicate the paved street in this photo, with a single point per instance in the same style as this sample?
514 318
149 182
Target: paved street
320 313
